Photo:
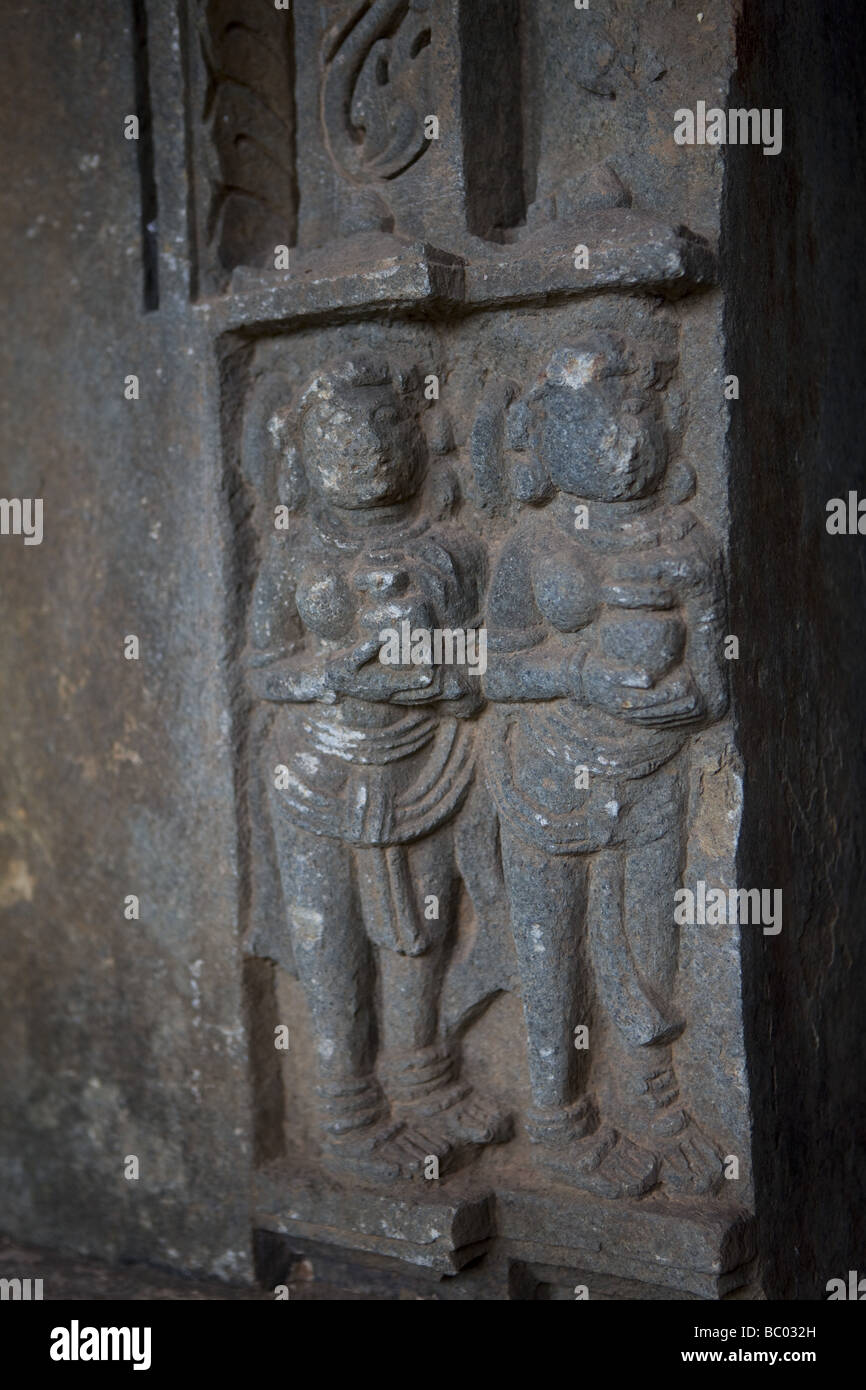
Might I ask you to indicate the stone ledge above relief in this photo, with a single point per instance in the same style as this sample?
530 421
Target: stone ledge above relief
627 250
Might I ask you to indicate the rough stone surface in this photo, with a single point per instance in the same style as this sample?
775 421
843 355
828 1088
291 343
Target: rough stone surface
406 1003
419 848
121 1037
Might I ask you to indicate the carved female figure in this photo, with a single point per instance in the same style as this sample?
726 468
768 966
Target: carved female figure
605 635
372 763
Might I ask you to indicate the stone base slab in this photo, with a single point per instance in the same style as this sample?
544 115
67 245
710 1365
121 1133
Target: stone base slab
517 1239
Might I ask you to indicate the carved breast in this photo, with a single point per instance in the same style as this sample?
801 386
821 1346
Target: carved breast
325 603
566 589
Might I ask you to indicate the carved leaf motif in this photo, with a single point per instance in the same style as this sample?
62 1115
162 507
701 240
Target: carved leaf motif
375 88
247 49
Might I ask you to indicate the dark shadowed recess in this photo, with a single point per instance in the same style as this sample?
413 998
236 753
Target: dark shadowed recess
146 171
793 274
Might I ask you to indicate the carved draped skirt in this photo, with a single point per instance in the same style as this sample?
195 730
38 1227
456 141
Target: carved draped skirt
376 789
532 758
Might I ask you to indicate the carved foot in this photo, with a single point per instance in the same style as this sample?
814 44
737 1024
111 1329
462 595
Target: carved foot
360 1136
367 1153
573 1146
690 1163
462 1116
477 1120
604 1163
473 1119
387 1152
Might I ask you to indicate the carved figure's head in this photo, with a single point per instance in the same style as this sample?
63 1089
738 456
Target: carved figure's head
594 420
360 440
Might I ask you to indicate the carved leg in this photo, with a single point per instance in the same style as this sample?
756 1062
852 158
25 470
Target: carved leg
335 967
547 900
419 1069
690 1162
548 906
331 952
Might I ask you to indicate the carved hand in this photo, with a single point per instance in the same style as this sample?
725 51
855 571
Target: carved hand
360 675
283 682
391 612
673 700
658 579
447 683
548 672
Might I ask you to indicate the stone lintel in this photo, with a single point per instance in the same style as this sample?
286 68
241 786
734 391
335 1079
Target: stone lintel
378 273
626 250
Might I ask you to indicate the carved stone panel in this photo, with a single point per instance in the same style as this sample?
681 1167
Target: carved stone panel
431 652
484 697
368 126
403 122
476 495
242 134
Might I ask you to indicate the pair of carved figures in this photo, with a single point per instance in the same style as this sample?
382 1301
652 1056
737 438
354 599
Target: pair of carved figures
604 655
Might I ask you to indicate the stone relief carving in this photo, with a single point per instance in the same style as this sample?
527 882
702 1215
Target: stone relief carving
606 635
311 127
604 613
375 88
471 875
375 763
313 124
247 110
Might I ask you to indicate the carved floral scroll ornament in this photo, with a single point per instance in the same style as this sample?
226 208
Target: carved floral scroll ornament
374 88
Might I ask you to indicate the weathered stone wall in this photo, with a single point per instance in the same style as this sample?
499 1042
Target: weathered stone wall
120 1037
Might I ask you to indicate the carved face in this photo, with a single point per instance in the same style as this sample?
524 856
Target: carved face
361 448
598 444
